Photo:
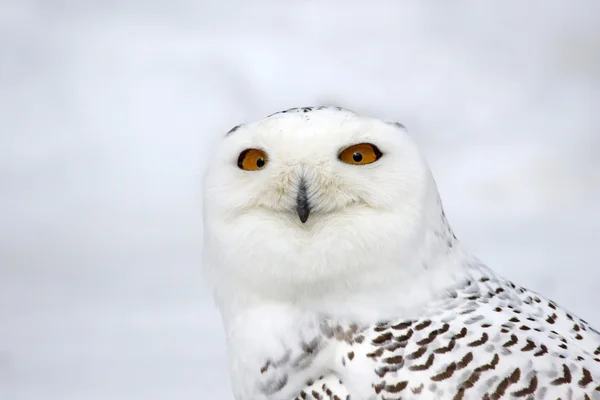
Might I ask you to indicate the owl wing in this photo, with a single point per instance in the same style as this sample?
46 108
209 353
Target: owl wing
475 358
501 342
490 340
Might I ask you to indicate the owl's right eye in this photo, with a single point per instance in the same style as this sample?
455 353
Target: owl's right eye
252 159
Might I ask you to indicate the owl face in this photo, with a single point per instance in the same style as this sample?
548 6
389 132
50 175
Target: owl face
306 196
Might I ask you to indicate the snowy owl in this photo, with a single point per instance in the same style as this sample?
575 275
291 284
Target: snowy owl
337 276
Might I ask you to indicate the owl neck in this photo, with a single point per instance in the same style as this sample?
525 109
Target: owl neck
401 292
438 265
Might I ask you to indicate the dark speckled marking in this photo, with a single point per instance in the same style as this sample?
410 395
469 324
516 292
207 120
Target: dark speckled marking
235 128
274 385
310 109
302 110
397 124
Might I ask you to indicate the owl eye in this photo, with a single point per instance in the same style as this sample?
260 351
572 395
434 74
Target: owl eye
360 154
252 159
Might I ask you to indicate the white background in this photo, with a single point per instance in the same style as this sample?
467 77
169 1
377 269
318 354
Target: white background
108 109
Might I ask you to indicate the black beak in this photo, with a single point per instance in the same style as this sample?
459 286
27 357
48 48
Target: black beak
302 205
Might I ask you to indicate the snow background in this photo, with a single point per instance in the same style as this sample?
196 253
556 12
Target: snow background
108 109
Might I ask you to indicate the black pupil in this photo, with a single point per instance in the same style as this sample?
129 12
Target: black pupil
357 157
260 162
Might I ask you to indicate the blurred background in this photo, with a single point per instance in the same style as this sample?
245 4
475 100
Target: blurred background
108 110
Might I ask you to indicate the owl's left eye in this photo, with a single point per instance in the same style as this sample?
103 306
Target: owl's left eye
252 159
360 154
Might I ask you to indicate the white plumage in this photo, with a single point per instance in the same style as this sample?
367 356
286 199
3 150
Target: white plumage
338 276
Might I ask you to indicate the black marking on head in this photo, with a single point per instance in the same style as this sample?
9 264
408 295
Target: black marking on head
310 109
235 128
301 110
396 124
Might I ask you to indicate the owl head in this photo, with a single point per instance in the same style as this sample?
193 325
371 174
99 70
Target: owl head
311 200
